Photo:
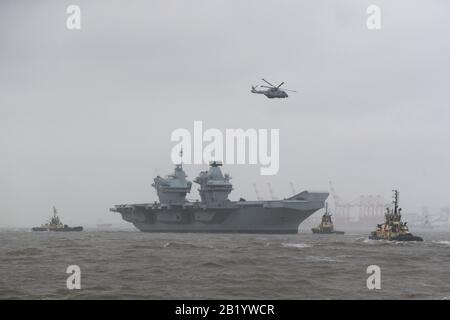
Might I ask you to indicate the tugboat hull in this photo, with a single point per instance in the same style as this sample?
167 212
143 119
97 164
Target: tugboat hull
397 238
318 231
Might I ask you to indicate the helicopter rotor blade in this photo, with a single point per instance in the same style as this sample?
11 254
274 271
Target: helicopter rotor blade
280 85
266 87
268 83
289 90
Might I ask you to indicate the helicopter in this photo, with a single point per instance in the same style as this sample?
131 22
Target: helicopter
272 91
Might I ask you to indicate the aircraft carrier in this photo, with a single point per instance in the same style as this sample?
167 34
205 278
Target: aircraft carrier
215 212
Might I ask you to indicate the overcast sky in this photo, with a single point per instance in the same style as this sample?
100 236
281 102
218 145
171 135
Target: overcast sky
86 116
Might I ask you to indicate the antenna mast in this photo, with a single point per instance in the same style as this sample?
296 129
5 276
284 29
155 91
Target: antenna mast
256 192
395 201
271 191
292 188
181 156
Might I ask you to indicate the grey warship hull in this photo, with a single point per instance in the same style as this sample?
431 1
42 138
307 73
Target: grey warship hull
215 212
277 217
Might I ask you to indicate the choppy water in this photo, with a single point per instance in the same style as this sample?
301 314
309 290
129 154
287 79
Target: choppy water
131 264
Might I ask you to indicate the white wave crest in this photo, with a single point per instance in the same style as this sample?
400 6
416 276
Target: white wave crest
442 242
296 245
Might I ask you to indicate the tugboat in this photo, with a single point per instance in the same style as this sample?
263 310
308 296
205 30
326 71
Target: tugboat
393 229
100 224
326 226
55 224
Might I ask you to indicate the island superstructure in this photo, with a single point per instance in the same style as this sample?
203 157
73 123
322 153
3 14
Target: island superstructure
215 212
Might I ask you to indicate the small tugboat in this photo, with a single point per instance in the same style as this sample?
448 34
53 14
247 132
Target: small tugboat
326 226
393 229
100 224
55 224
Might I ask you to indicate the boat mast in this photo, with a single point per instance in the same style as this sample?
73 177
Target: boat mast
395 202
181 157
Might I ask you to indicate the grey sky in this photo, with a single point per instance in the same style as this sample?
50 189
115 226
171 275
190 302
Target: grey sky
86 116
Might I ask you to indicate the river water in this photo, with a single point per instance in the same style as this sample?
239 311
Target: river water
135 265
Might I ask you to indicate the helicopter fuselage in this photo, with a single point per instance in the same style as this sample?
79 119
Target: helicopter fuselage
271 93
